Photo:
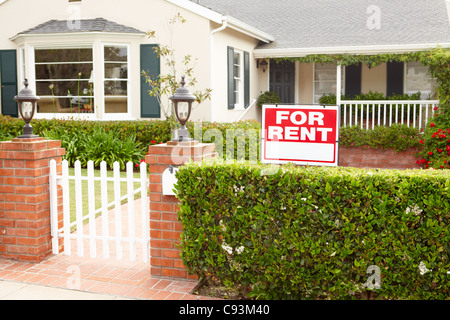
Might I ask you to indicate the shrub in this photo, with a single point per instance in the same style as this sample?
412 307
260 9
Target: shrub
398 137
312 232
233 140
436 143
268 98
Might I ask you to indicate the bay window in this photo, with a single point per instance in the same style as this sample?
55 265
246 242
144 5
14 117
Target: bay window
116 78
64 80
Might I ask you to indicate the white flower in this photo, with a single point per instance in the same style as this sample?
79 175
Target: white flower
416 210
227 248
423 268
240 249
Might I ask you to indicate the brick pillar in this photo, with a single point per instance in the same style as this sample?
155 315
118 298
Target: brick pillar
25 198
165 228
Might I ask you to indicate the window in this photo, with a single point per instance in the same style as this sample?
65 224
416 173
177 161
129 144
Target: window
238 63
418 79
116 78
64 80
325 80
238 73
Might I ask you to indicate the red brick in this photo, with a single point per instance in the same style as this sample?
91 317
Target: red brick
154 261
173 235
159 206
178 273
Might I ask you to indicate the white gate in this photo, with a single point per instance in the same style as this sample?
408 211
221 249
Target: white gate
94 223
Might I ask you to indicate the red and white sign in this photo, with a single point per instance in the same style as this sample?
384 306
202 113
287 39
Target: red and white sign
300 134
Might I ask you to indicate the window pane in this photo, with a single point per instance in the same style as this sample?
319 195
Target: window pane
418 79
116 53
116 105
64 88
237 58
64 71
322 75
116 88
65 105
325 87
63 55
116 71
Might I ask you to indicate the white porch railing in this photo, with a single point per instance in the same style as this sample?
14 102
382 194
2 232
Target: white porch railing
368 114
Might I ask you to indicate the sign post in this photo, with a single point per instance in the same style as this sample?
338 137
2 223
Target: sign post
301 134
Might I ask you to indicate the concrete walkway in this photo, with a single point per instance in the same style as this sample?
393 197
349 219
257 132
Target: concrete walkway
71 277
13 290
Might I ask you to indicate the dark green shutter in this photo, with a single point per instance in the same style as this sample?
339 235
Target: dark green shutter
150 62
394 74
353 75
8 67
231 84
246 79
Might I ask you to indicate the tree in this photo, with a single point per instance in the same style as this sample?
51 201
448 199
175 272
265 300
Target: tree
163 86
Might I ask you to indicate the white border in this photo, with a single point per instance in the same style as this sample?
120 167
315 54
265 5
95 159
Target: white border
300 107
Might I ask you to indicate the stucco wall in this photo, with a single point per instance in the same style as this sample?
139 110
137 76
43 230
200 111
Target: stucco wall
144 15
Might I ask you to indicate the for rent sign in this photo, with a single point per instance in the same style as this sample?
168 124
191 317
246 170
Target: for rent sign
300 134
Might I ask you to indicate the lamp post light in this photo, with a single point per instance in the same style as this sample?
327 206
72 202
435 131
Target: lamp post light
182 100
27 106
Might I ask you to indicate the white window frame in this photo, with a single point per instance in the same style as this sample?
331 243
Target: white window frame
116 116
333 67
239 105
32 76
424 93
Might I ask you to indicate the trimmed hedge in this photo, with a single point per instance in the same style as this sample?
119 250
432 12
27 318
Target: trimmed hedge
129 140
312 232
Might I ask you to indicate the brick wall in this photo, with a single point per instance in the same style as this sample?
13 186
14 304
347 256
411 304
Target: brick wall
165 228
366 157
25 199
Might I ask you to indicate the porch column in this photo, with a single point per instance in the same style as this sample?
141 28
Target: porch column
338 84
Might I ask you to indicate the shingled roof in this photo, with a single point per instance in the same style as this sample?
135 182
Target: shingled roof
337 23
86 25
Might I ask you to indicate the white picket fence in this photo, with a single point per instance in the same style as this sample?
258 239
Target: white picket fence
112 226
368 114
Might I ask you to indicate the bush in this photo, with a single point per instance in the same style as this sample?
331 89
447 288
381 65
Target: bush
268 98
398 137
233 140
312 233
436 143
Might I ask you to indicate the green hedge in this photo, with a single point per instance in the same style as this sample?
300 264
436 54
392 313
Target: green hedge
312 232
129 140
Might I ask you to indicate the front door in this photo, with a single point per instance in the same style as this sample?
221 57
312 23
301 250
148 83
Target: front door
8 82
282 80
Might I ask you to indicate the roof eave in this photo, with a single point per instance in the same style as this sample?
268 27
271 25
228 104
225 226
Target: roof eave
216 17
32 35
355 50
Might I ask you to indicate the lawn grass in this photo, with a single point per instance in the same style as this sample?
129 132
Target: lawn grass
97 191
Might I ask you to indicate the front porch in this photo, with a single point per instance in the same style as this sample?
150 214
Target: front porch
400 93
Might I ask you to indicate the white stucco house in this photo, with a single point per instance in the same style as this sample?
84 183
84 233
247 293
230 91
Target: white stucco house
85 57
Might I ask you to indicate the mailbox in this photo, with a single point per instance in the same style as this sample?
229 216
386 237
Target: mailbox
168 181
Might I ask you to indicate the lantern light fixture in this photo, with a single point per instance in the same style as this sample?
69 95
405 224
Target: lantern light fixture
27 101
182 101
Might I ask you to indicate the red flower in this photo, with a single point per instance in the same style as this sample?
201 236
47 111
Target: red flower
430 153
136 165
439 150
423 161
143 160
421 141
153 141
432 125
